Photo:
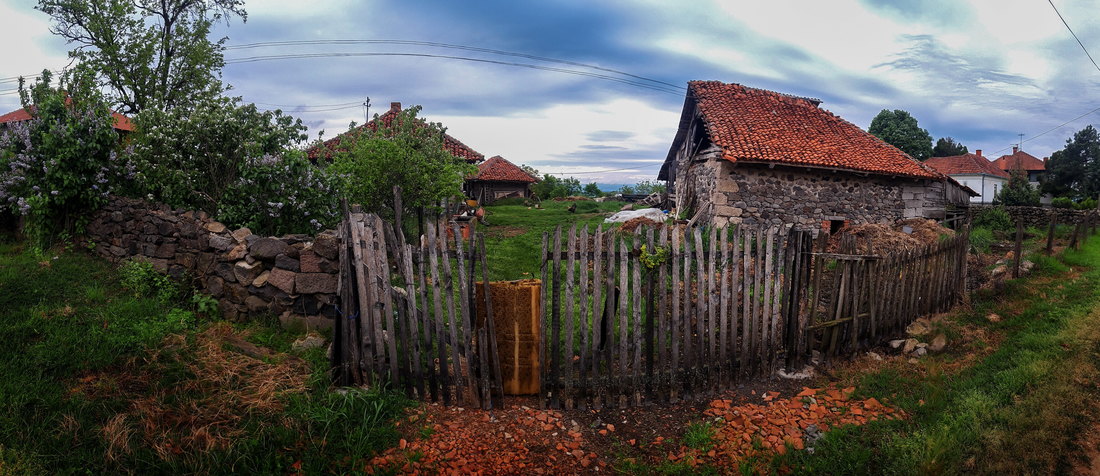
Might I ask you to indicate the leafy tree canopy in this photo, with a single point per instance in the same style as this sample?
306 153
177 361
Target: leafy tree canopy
1074 171
592 190
1017 192
553 187
407 152
947 147
149 53
900 129
645 187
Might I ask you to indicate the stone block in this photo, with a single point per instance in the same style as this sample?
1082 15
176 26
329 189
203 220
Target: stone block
282 279
314 283
187 260
225 271
267 249
309 262
221 242
238 252
165 250
241 234
326 246
726 211
215 286
214 227
286 262
261 280
246 273
256 304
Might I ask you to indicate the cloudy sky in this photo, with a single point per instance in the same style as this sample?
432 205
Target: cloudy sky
979 71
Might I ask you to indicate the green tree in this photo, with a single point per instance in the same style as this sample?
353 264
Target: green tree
1074 171
900 129
407 152
1017 192
59 166
149 53
592 190
190 158
947 147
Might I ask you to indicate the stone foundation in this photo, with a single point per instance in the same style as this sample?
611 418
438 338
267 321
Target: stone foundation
1039 217
294 276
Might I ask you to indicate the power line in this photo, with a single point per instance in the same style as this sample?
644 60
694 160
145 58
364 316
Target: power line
1074 34
252 59
1052 129
452 46
602 171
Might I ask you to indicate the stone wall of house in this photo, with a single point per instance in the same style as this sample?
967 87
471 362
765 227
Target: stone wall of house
1039 217
808 198
294 277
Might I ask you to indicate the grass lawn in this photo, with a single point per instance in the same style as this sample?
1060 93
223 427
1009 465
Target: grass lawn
513 239
96 379
1019 407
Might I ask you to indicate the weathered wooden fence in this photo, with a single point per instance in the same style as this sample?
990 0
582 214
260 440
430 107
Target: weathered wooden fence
851 302
408 314
663 316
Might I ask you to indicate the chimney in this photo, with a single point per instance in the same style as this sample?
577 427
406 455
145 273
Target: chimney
395 107
1014 149
1045 159
978 152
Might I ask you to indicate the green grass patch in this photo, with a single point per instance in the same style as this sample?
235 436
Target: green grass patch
513 238
107 371
1031 393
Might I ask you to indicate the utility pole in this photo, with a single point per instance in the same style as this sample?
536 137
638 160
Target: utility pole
366 110
1021 143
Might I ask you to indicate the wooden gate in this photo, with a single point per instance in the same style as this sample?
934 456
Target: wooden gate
408 314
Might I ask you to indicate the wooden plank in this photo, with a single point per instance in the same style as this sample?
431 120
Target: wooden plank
458 345
440 339
478 390
678 286
746 304
401 311
611 305
663 331
599 308
768 319
570 319
544 323
555 324
712 312
584 324
1050 234
624 324
426 322
724 283
371 353
758 301
636 325
1017 249
650 318
698 320
688 335
735 294
496 399
385 291
414 322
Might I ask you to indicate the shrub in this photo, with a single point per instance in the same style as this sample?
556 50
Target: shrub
276 196
59 166
1017 192
144 280
1062 202
191 158
981 240
1086 204
994 219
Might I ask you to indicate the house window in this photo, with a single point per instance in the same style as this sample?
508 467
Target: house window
835 226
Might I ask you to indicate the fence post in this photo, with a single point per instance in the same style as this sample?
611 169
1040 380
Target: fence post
1017 249
1050 235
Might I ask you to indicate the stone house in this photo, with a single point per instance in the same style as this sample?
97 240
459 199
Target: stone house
747 155
973 171
498 178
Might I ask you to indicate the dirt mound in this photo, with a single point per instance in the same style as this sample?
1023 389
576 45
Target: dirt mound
878 238
634 223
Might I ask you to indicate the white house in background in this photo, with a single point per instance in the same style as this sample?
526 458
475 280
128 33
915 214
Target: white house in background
974 171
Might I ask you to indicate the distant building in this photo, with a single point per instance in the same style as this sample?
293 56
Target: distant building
326 149
121 123
498 178
974 171
1019 160
753 156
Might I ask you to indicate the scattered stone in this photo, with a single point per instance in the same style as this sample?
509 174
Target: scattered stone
805 373
874 356
312 340
920 351
993 317
938 343
1026 265
999 270
894 344
919 327
910 344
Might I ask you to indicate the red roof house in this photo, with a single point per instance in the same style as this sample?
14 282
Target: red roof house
498 178
748 155
973 171
326 149
1024 162
121 122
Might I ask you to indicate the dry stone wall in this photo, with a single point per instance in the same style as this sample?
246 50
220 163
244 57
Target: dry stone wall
1039 217
294 276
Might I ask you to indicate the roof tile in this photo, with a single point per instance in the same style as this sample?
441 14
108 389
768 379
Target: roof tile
499 169
965 164
450 144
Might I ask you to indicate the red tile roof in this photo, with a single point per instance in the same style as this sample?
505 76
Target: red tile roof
966 164
450 144
1019 160
758 125
499 169
121 123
